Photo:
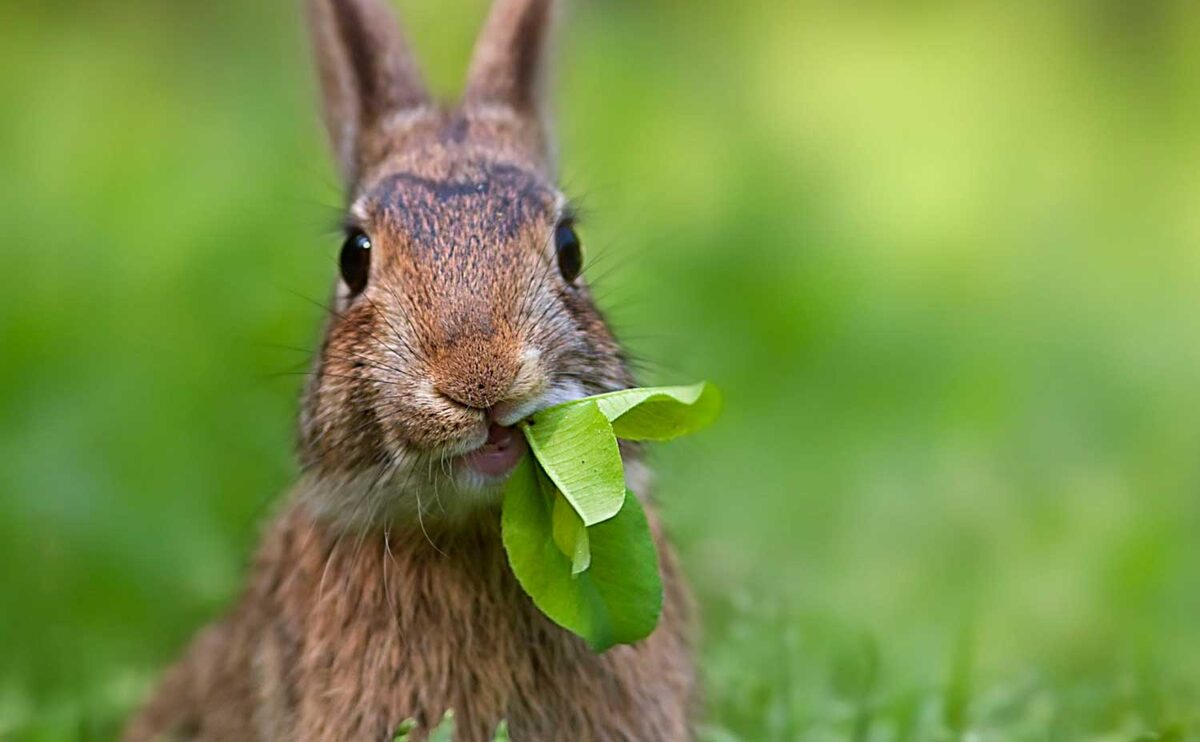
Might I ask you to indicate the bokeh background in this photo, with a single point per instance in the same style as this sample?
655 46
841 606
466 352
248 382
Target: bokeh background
941 256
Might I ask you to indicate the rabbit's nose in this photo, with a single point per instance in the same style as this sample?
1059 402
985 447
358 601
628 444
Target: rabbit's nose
474 375
479 394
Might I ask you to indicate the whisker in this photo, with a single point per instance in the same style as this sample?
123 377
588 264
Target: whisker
398 335
372 510
387 556
421 519
341 316
335 355
324 374
329 560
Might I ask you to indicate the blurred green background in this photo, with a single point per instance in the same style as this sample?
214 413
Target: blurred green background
941 256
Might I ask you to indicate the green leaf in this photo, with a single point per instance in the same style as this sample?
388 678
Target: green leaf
617 600
501 734
570 535
576 447
657 413
444 731
577 540
405 730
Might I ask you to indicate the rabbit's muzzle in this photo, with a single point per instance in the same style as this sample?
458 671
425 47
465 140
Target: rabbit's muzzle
477 372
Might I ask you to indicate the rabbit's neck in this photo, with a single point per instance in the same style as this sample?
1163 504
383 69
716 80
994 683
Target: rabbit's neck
422 514
394 623
445 576
343 635
402 576
361 630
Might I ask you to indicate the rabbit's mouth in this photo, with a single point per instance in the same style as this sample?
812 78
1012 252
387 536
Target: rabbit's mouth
499 454
484 465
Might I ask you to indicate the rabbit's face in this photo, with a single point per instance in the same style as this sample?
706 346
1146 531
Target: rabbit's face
460 310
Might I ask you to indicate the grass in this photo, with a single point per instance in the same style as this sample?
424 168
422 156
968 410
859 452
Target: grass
776 675
817 680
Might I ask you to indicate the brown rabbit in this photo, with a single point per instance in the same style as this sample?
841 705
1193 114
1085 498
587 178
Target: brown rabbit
382 591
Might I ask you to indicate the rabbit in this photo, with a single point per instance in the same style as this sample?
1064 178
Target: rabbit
381 591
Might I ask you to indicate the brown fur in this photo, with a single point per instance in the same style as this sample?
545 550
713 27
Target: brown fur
382 591
344 638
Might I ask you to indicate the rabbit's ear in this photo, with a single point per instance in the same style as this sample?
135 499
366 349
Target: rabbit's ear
507 68
367 74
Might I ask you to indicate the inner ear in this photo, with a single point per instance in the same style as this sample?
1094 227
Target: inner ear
367 72
508 67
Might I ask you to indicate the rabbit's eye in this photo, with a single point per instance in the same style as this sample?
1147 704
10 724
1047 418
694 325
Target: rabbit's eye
355 261
568 250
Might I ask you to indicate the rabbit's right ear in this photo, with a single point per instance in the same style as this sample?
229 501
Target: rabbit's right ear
367 74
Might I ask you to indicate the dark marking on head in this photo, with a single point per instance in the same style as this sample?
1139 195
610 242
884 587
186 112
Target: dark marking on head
484 207
458 129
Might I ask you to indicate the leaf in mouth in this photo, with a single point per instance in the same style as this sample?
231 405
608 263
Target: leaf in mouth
577 540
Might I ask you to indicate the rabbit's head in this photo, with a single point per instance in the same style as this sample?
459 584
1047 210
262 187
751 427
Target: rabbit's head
460 308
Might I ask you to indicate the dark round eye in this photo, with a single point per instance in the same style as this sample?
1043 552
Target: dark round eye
355 261
569 251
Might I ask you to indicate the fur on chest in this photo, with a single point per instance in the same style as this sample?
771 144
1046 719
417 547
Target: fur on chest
357 632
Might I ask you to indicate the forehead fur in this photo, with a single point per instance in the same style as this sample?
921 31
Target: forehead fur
441 143
455 181
470 202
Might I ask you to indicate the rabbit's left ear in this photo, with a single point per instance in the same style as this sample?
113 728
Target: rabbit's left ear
508 66
367 74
